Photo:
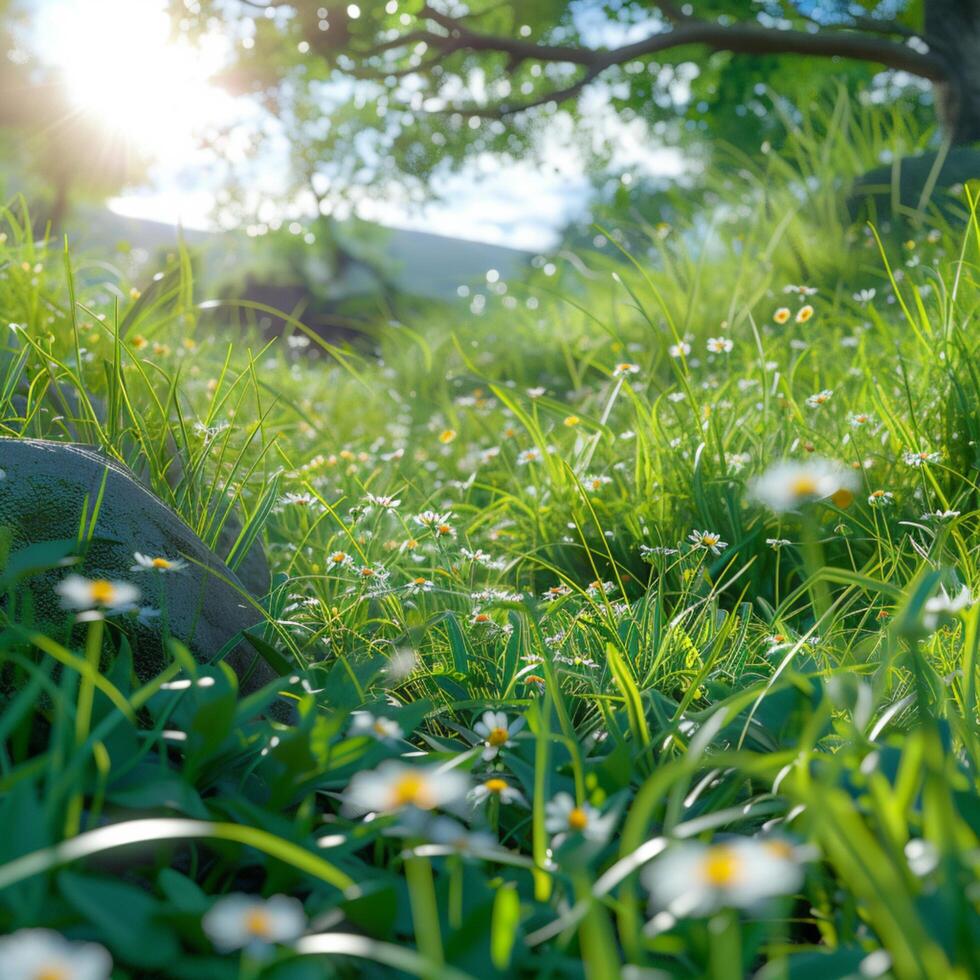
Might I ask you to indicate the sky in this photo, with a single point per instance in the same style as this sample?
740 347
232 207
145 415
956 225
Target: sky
161 96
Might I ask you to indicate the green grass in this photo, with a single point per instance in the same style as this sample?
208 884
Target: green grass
790 692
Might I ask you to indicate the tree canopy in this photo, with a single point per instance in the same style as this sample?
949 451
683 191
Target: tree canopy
400 91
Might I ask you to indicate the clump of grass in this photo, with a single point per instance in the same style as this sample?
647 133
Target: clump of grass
608 709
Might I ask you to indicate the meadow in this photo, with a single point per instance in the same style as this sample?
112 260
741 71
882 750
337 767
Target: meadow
626 612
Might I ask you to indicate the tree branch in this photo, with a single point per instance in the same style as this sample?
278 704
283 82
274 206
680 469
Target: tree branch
736 38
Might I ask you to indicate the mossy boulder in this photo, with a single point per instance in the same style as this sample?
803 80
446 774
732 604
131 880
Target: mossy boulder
47 488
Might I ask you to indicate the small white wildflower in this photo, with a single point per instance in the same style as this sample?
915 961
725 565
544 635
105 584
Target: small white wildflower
789 484
917 459
382 502
382 729
820 398
709 540
624 369
693 879
563 817
720 345
40 954
497 732
80 593
497 787
941 609
395 785
240 921
144 563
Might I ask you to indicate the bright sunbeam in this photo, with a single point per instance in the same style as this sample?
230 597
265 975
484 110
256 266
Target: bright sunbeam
120 64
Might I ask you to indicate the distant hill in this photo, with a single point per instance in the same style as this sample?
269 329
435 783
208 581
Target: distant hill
411 263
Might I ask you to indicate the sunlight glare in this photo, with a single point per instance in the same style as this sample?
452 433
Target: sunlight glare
120 64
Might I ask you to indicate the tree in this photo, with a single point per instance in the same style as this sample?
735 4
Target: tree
404 88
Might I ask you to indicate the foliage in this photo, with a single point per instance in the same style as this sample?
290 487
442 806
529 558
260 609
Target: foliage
395 95
810 692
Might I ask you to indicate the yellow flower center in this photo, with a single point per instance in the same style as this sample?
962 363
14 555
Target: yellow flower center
379 727
804 486
498 736
578 819
495 785
443 529
721 866
161 563
51 972
257 922
102 592
411 790
780 849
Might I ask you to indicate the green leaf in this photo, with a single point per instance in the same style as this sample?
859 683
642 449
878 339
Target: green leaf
126 918
631 696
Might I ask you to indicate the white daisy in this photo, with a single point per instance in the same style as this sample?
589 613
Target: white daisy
497 787
719 345
394 786
146 563
297 500
918 459
382 729
80 593
694 879
942 610
382 502
789 484
709 540
624 369
564 817
820 398
240 921
40 954
432 518
497 732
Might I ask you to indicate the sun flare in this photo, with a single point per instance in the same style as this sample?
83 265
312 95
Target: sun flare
120 63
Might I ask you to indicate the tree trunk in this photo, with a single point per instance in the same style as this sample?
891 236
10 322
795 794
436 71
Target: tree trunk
953 33
59 205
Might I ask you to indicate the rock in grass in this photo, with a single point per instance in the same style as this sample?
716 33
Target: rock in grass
47 489
894 193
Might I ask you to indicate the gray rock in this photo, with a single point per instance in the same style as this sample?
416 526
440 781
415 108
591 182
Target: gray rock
42 498
894 193
252 570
